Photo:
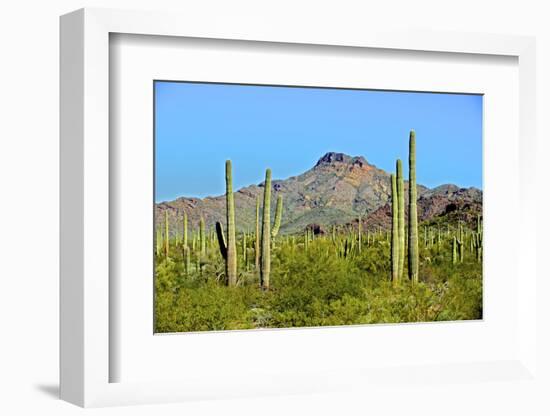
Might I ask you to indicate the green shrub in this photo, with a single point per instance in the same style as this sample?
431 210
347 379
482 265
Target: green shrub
314 288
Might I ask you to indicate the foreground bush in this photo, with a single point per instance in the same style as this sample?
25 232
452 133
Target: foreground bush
315 288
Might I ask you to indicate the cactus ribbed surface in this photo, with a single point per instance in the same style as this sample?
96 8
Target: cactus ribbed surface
413 215
187 255
231 261
257 236
184 229
202 237
159 241
461 244
278 216
265 261
400 215
245 259
359 232
478 227
166 234
394 232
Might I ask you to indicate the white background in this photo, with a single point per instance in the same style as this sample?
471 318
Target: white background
29 209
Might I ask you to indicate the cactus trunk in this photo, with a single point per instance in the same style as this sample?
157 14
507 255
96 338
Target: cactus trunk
159 241
187 255
166 234
184 229
413 216
455 253
257 236
359 232
202 238
400 215
244 251
395 248
265 263
231 261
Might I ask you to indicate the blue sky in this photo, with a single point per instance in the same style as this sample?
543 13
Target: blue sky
198 126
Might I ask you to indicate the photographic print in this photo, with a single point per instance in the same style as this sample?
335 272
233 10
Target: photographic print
290 206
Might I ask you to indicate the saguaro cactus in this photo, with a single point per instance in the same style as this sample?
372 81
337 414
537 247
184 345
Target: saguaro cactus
202 237
265 263
231 261
187 255
278 216
400 215
257 236
166 234
461 242
413 216
394 232
359 232
478 246
159 241
184 229
245 258
455 250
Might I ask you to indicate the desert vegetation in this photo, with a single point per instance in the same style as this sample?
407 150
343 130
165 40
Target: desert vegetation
233 276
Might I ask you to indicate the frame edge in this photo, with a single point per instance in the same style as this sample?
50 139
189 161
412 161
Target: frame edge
71 201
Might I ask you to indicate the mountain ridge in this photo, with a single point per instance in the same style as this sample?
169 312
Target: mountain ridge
336 190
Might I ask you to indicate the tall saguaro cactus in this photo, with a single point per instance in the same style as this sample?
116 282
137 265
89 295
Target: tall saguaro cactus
400 215
455 250
265 261
413 215
359 234
166 234
231 261
159 241
395 248
257 236
202 237
185 229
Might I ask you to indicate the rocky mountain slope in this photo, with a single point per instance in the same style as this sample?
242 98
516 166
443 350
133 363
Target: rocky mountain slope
336 190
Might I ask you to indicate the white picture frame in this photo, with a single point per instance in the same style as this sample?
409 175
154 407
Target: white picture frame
86 355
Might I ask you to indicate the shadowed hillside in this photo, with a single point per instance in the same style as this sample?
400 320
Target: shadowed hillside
337 190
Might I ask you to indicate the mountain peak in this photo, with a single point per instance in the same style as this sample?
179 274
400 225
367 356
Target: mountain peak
332 158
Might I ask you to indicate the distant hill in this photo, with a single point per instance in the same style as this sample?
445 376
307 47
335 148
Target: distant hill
336 190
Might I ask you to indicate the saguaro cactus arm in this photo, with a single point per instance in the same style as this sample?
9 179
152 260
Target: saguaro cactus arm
278 216
221 240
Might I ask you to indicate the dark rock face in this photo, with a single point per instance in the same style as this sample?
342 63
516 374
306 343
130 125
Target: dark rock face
336 190
445 201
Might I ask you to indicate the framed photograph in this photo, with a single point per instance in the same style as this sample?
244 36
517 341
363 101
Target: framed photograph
321 243
265 211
